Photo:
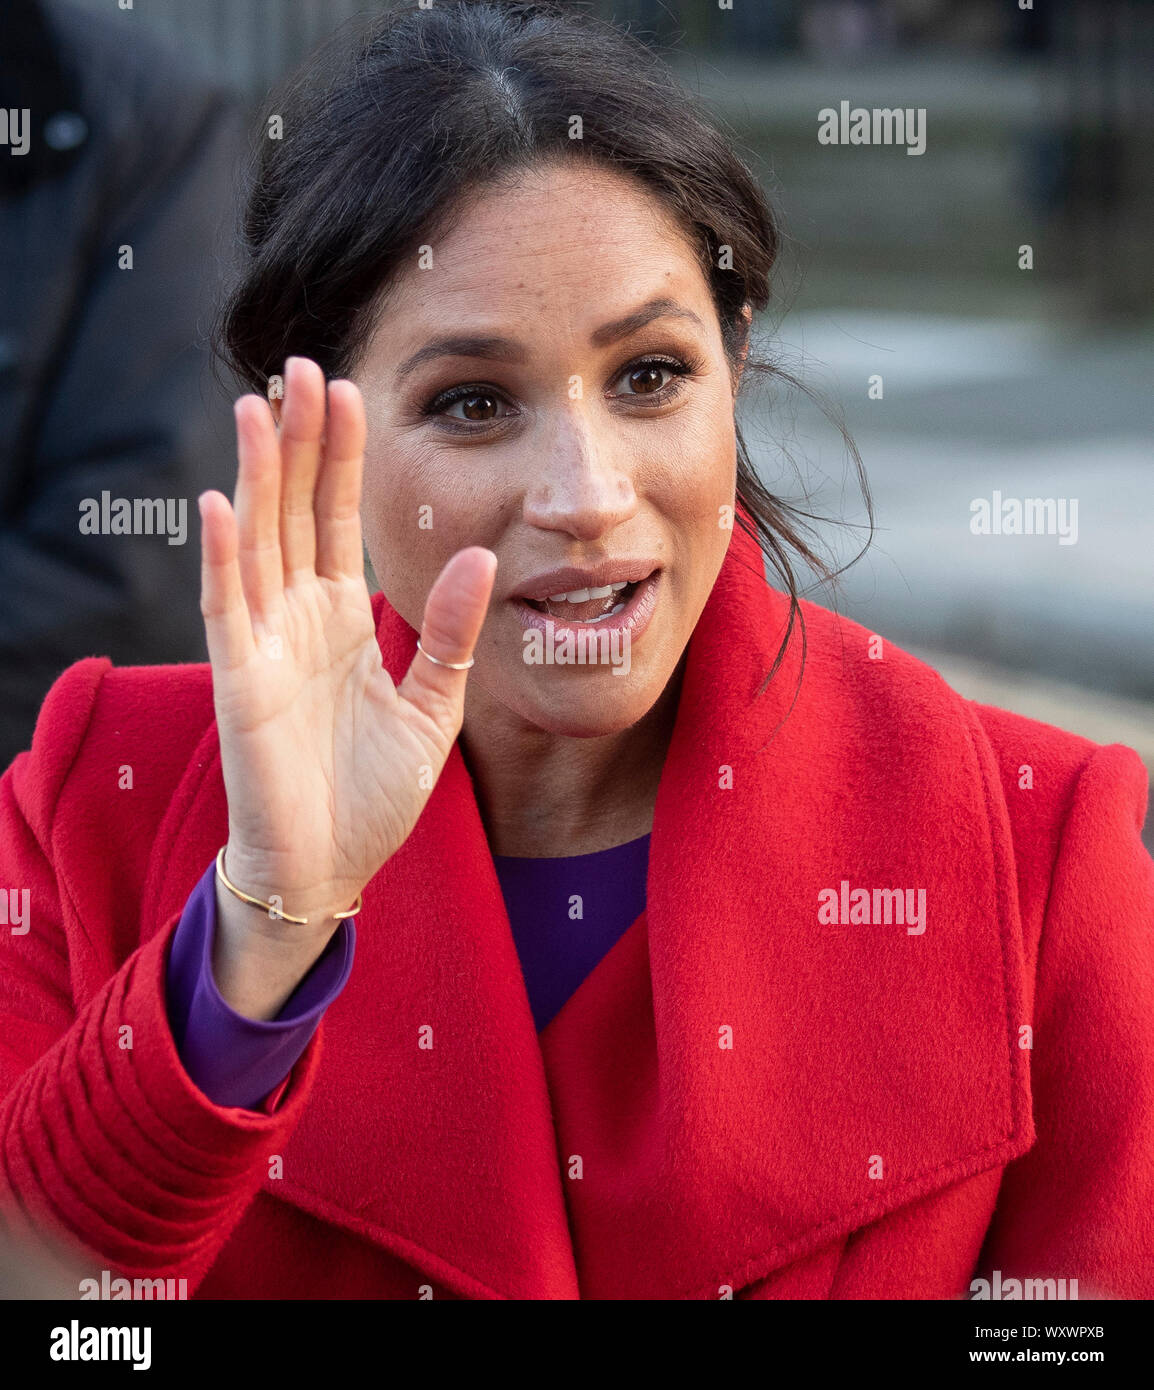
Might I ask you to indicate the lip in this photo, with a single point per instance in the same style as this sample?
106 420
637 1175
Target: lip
634 618
568 578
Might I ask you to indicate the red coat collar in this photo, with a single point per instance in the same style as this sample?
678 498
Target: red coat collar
852 1046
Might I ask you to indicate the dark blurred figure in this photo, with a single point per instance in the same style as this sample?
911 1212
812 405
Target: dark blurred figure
105 384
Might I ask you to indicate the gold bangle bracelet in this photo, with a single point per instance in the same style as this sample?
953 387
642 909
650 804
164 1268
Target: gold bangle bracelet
269 907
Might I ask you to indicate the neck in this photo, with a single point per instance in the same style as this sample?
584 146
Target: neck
544 795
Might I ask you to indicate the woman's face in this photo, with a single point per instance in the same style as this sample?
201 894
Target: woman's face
553 386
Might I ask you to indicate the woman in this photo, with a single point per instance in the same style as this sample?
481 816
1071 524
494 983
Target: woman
692 969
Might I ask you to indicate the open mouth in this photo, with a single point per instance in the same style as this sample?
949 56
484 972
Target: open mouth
586 605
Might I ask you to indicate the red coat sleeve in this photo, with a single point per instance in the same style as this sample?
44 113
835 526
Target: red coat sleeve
102 1133
1080 1203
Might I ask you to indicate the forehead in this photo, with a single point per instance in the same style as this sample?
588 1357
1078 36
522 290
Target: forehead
583 243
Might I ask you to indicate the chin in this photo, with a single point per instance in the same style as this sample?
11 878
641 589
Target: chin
591 713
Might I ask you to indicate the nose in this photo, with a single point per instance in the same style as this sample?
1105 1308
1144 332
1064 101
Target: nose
583 483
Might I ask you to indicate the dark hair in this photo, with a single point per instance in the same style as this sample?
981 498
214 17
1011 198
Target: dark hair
386 138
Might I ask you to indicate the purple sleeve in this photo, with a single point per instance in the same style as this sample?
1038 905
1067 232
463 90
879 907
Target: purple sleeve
236 1060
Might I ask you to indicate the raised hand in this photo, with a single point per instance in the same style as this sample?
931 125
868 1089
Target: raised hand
322 754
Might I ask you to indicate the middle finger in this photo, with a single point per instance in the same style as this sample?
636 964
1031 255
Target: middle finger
301 431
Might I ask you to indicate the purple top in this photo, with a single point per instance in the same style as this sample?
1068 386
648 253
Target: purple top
565 914
560 939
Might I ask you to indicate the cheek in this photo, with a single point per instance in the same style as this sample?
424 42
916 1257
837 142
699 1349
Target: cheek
417 511
404 521
699 469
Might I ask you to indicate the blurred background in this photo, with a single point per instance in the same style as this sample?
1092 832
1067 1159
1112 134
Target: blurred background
982 314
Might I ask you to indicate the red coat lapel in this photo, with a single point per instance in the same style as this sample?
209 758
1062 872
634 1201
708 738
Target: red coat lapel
856 1050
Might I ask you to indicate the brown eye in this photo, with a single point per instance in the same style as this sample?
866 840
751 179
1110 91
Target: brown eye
470 404
479 406
646 379
658 377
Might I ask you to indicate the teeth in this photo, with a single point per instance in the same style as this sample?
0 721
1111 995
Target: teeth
584 595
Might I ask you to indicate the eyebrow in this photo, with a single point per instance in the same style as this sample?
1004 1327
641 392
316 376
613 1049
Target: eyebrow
498 349
660 308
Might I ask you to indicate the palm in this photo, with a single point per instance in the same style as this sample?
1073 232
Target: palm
326 762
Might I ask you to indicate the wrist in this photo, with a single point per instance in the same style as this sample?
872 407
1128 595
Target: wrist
281 898
256 969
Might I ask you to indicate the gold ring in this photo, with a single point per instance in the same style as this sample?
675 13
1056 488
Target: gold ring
452 665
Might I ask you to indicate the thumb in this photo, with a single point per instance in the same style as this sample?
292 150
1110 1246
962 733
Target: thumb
454 613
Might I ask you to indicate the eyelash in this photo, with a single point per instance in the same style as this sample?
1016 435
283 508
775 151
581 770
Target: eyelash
680 367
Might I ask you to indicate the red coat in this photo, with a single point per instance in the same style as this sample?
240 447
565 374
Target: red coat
739 1096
